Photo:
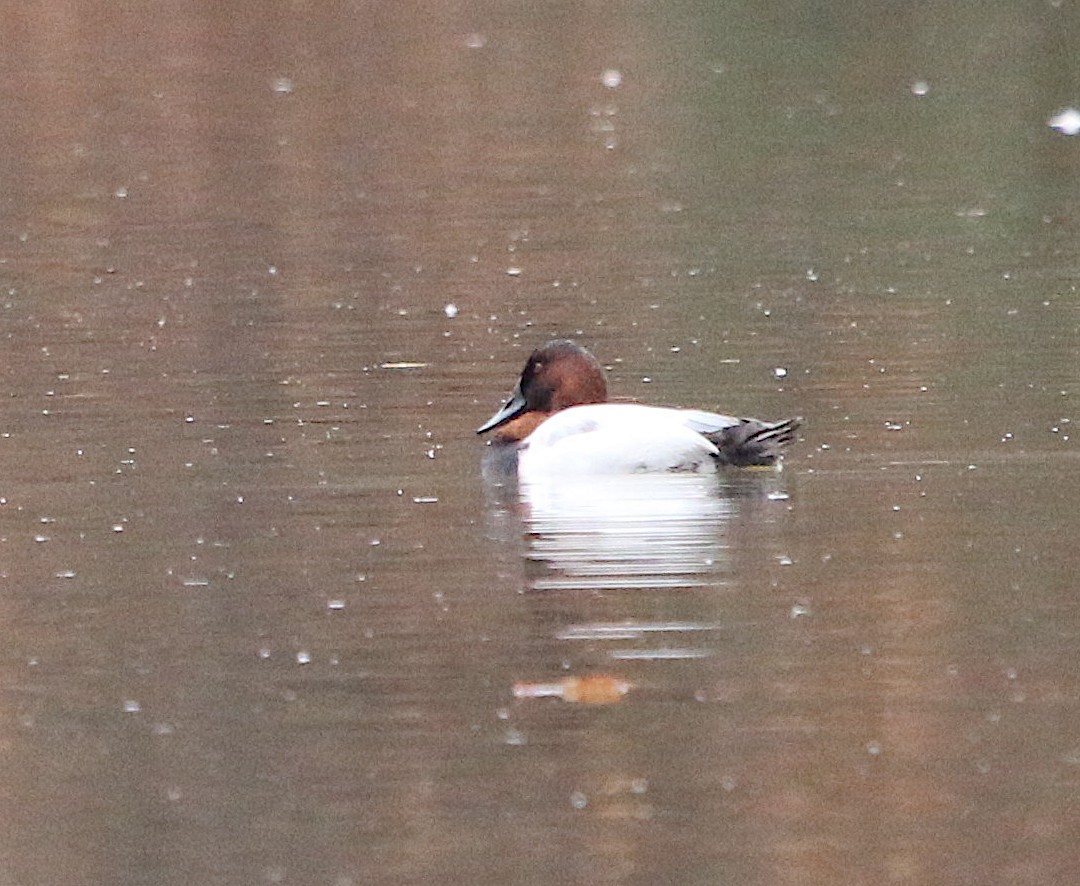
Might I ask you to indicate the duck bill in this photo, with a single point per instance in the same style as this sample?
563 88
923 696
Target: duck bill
513 408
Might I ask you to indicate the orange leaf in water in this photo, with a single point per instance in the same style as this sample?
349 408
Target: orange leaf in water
593 689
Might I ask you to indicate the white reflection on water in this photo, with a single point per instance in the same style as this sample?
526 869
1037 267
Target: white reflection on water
638 531
630 630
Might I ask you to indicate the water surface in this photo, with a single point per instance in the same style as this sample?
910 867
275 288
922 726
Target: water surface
270 619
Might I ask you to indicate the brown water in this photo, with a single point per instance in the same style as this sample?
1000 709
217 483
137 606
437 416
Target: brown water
268 616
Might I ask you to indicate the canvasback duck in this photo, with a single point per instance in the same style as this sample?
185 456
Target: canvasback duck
560 421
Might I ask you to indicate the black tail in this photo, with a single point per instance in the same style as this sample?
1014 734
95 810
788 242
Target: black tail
752 442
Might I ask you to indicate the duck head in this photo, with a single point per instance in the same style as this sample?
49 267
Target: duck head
557 375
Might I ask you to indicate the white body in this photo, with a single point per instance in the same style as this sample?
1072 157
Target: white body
620 438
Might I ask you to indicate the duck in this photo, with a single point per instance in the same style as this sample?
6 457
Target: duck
559 422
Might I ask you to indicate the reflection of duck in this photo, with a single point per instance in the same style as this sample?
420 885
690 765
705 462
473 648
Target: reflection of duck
559 419
639 531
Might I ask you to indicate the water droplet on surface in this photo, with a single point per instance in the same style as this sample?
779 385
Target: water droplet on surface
1066 121
131 706
920 88
873 748
475 41
612 78
451 310
578 800
283 85
779 372
303 657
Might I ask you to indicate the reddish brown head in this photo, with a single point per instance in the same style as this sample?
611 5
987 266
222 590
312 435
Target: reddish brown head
558 375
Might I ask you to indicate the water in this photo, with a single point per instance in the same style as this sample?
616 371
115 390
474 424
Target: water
271 618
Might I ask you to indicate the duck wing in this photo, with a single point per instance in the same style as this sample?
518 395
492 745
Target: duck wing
705 422
750 441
